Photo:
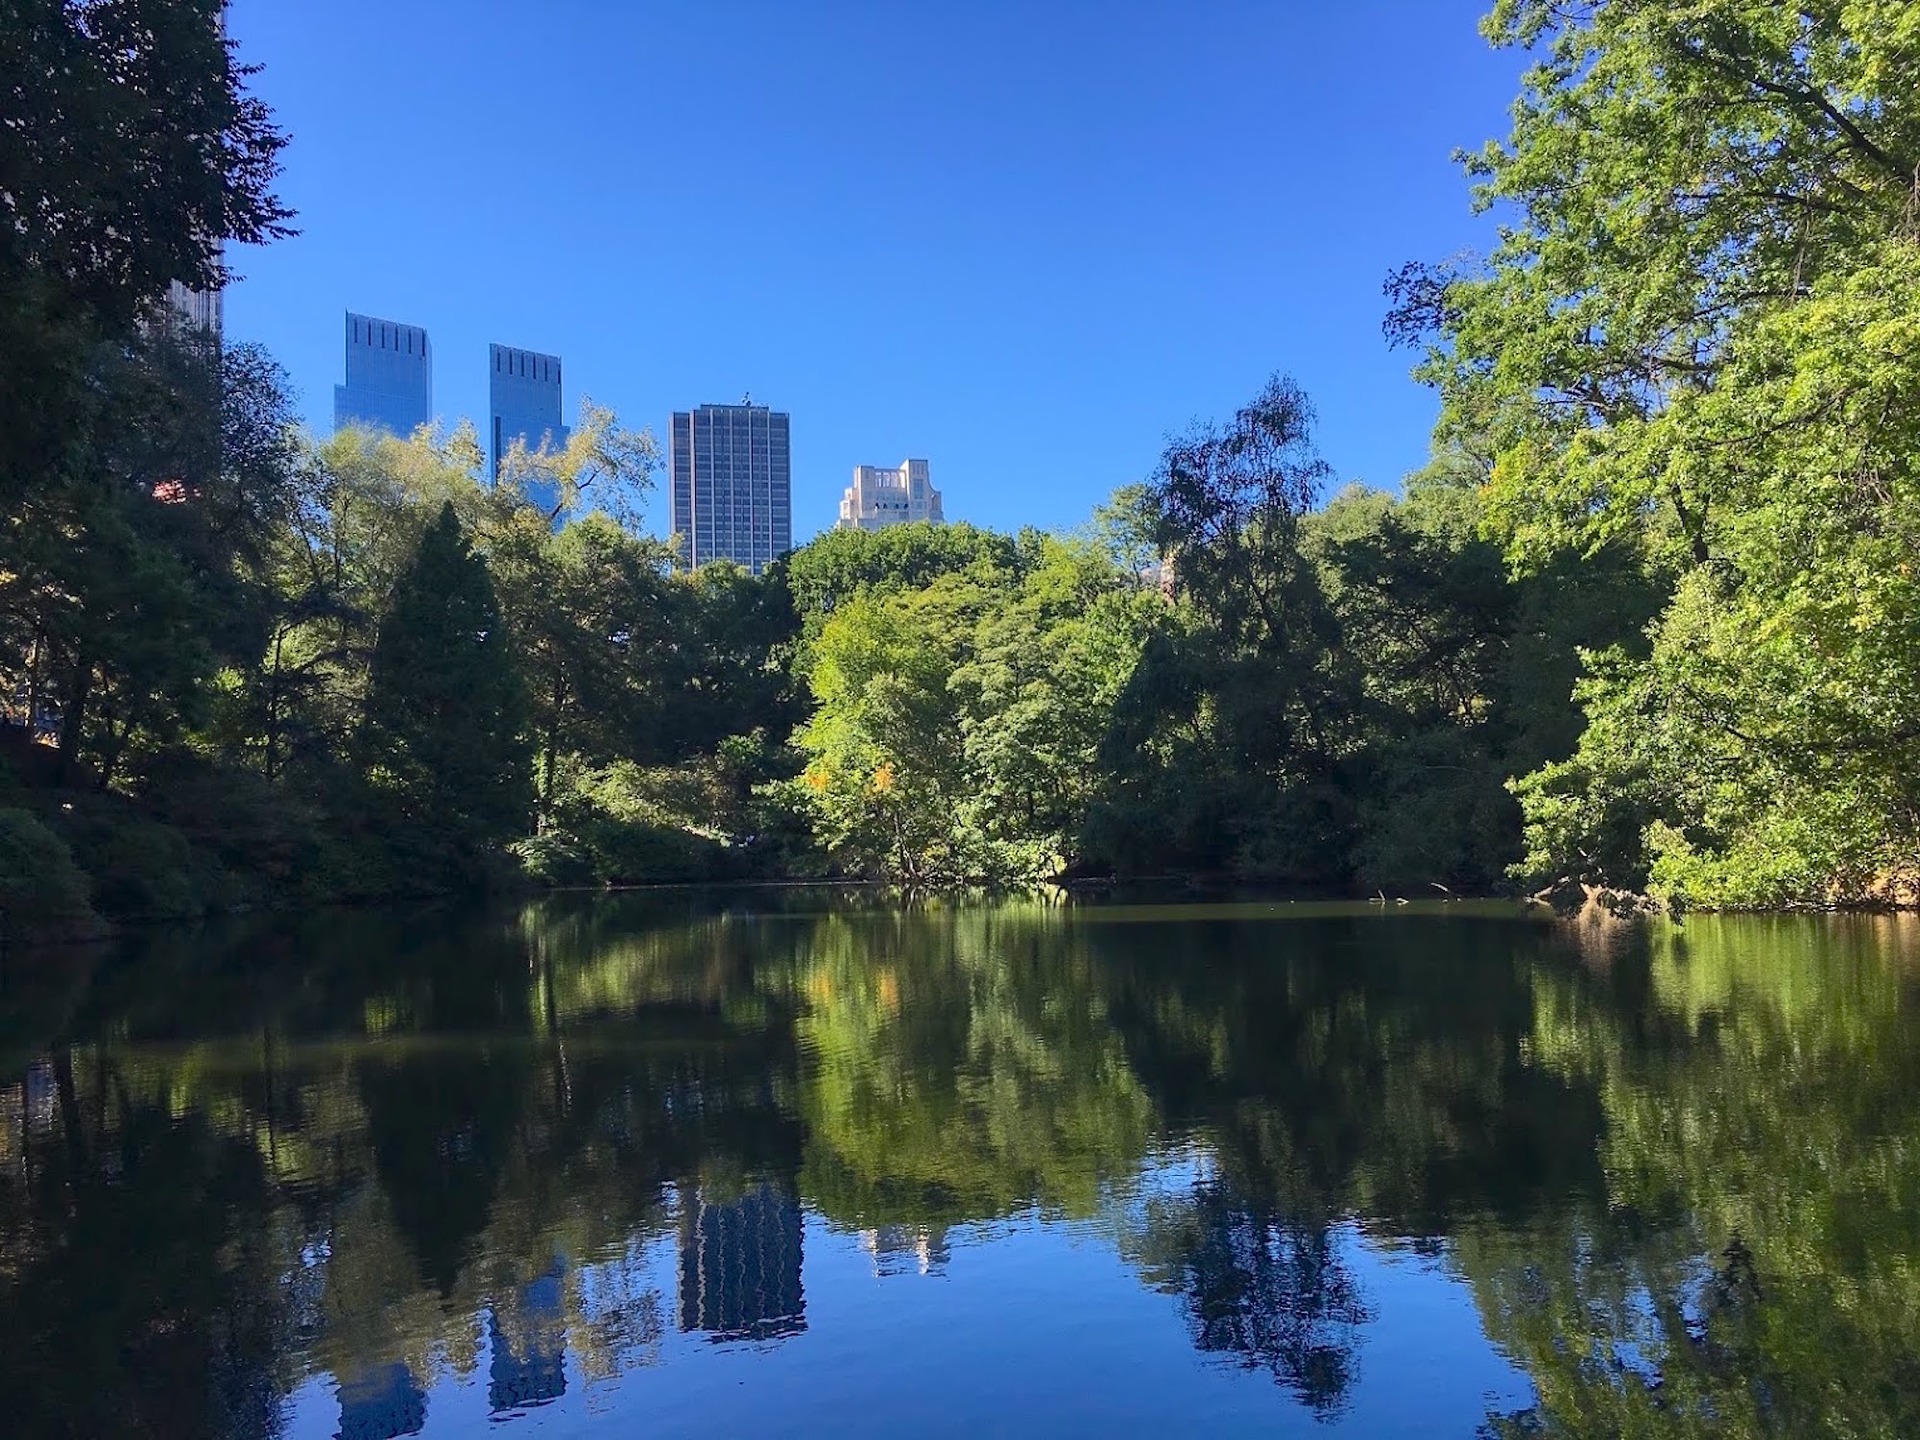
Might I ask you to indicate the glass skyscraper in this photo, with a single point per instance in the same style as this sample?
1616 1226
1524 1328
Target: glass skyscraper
732 484
389 377
524 398
198 311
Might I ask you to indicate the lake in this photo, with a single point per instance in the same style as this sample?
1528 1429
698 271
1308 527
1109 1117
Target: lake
763 1164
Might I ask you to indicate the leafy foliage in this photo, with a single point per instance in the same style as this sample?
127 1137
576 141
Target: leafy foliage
1697 342
1647 617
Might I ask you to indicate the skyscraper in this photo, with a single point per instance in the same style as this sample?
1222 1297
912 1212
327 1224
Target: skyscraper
524 398
732 484
201 311
389 377
880 497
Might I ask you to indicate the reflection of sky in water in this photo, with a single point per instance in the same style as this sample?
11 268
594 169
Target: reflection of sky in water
1029 1325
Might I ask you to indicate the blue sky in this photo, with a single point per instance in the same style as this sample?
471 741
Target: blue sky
1027 241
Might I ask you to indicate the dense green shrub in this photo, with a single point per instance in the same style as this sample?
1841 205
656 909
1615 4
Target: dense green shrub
42 892
140 868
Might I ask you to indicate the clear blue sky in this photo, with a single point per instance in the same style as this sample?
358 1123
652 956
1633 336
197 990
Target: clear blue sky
1026 240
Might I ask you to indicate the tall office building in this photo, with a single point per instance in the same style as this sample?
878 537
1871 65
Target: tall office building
202 311
880 497
389 377
732 484
524 398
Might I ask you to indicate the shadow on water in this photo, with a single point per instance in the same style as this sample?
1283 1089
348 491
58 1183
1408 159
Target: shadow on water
1672 1167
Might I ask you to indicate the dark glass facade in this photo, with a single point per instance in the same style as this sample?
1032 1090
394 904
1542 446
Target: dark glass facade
732 484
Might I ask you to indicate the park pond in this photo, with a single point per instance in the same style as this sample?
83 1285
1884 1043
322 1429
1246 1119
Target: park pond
766 1164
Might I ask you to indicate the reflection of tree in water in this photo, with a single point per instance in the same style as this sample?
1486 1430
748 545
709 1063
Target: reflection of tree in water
443 1122
1678 1183
958 1067
442 1134
364 1166
1753 1268
526 1332
1270 1291
141 1274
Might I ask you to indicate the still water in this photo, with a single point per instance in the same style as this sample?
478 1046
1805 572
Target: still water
739 1165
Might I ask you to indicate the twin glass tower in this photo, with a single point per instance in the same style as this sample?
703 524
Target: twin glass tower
390 387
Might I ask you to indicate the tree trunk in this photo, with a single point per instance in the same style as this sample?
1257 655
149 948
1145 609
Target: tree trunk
73 714
273 706
549 756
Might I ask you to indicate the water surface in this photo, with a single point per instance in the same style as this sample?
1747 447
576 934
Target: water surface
741 1164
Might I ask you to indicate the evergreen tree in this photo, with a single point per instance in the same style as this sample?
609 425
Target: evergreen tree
445 705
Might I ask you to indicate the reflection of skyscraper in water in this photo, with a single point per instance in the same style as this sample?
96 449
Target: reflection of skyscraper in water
381 1403
528 1338
740 1266
13 1124
907 1249
37 1100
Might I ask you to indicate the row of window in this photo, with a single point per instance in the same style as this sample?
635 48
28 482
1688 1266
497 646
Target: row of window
385 335
526 364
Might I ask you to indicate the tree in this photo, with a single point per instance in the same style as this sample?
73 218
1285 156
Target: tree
1228 733
445 706
603 466
1038 697
590 618
132 153
886 771
136 149
126 588
838 564
1696 341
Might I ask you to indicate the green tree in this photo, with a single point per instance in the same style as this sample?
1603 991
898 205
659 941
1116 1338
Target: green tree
604 467
838 564
1696 340
445 705
132 153
886 769
1038 695
588 611
127 587
1228 736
